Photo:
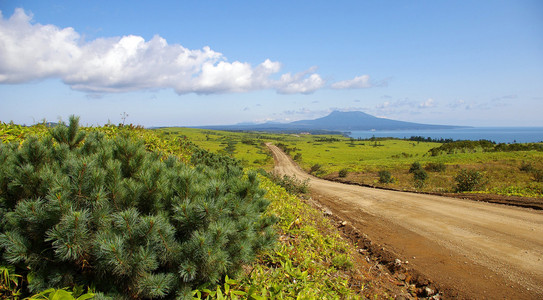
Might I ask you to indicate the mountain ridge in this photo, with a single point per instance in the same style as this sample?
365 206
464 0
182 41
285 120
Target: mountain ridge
337 122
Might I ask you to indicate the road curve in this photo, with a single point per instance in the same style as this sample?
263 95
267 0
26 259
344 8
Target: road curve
481 250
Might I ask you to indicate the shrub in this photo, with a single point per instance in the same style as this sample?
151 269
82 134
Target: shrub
468 180
385 177
527 167
415 167
106 213
290 183
315 168
537 175
419 177
436 167
343 173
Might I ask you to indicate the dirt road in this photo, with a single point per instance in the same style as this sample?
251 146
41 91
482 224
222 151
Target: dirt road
470 249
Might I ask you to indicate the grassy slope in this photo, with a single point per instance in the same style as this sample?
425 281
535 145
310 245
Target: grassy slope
310 261
363 160
251 155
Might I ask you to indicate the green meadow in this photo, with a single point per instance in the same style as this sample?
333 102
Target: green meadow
247 147
515 172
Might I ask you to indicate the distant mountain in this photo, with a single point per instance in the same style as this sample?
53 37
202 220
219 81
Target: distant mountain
357 120
337 122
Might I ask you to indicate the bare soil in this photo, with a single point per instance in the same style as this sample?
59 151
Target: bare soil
461 248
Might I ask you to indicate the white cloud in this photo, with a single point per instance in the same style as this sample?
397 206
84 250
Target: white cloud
358 82
383 105
460 104
31 51
304 82
427 104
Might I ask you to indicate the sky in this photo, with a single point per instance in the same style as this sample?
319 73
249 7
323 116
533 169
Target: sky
191 63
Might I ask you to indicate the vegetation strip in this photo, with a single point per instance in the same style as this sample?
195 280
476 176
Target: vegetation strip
318 263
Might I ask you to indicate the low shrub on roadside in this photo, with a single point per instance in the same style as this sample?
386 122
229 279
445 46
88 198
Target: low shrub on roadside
415 167
526 167
385 177
316 168
436 167
291 184
420 176
468 180
537 175
343 173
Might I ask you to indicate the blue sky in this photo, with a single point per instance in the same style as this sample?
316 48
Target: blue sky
476 63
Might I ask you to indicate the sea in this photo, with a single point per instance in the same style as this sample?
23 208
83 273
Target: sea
496 134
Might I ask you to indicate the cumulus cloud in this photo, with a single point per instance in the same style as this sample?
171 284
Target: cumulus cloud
32 51
358 82
304 82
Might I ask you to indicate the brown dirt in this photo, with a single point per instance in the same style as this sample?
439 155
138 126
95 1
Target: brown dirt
465 249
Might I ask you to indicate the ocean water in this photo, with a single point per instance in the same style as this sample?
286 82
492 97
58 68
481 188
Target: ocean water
496 134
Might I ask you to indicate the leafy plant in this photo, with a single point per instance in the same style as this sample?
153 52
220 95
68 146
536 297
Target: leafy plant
290 183
468 180
537 175
436 167
9 283
420 176
342 261
385 177
343 173
526 167
415 167
60 294
315 168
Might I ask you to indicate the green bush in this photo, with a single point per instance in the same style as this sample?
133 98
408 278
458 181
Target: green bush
315 168
290 183
537 175
415 167
436 167
468 180
526 167
106 213
419 177
343 173
385 177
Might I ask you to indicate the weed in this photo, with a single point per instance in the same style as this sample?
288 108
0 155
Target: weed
342 261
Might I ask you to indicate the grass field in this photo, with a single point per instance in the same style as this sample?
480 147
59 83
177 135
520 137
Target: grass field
362 160
247 147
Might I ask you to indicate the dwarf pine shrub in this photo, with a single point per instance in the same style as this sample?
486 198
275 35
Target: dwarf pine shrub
101 212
